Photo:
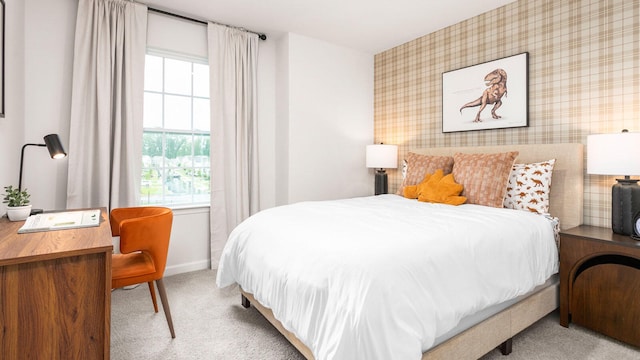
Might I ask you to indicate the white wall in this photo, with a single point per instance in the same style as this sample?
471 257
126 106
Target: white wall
189 246
336 84
48 60
12 125
326 102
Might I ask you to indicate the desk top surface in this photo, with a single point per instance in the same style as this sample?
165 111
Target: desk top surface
21 248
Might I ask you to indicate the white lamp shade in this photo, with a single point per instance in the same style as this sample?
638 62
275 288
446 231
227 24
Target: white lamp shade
614 154
382 156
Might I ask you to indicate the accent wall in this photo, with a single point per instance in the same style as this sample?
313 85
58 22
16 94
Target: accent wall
584 78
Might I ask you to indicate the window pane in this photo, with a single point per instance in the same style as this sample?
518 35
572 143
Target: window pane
201 146
201 80
151 149
201 120
177 147
151 186
177 187
177 77
201 187
177 112
153 73
152 165
152 117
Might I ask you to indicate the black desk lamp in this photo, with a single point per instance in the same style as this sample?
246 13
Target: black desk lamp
618 154
53 144
382 156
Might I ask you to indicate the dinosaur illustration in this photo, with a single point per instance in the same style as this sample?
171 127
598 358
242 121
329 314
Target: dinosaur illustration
496 82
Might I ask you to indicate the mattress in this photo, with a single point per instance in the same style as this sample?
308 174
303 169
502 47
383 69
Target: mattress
385 277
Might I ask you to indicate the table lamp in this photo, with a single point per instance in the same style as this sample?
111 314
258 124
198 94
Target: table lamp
53 144
381 156
618 154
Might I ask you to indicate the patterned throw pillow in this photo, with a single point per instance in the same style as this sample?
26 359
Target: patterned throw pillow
420 165
529 187
484 176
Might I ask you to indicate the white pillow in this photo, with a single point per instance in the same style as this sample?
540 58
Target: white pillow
529 187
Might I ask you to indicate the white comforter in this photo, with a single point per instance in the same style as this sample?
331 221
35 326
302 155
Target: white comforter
381 277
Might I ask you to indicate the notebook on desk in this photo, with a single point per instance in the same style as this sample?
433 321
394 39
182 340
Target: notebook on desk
61 220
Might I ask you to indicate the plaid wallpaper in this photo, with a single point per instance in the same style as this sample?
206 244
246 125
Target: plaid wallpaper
584 78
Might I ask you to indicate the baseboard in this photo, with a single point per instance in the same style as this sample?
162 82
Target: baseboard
187 267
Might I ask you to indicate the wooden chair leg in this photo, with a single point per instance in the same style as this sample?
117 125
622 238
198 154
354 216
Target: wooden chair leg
153 296
165 306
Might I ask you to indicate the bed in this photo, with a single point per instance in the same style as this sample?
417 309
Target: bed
468 334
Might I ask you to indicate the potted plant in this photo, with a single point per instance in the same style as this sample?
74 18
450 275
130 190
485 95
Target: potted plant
18 207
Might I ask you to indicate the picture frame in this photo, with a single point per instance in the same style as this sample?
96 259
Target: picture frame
2 30
501 85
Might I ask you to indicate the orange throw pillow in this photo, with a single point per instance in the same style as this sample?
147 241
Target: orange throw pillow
436 188
441 189
412 191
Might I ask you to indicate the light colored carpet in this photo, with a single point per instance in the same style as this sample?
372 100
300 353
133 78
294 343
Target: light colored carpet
211 324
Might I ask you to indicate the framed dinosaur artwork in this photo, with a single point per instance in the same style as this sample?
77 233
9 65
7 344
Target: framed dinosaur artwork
479 97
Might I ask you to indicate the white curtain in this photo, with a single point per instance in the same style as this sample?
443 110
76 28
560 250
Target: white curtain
105 142
233 56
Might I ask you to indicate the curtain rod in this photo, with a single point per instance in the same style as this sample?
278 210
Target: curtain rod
260 36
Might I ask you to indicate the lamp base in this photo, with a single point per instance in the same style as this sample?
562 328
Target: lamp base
381 185
625 202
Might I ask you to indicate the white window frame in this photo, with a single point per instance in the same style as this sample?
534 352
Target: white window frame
193 132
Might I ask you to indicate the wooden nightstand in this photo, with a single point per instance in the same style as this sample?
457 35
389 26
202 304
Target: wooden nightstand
600 282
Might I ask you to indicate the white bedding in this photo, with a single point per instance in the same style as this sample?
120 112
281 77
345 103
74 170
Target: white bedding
382 277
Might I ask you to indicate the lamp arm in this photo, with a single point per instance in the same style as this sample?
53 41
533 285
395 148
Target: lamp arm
22 161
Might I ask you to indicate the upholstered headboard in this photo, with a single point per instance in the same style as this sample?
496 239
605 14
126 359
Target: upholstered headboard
566 198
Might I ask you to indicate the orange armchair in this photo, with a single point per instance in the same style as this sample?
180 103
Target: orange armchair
144 243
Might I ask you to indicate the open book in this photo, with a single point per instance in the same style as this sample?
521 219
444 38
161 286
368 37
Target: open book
61 220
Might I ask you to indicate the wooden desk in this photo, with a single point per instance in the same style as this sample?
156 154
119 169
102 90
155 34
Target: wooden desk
55 292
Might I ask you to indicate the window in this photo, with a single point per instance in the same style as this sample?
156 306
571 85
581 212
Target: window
175 149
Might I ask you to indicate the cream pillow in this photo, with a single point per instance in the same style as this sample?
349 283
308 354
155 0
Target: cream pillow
529 187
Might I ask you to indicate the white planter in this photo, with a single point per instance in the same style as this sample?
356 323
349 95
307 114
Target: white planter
18 213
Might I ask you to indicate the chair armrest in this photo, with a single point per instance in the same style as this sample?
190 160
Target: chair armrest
138 225
117 216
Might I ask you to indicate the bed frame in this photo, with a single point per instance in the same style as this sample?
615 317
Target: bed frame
566 202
